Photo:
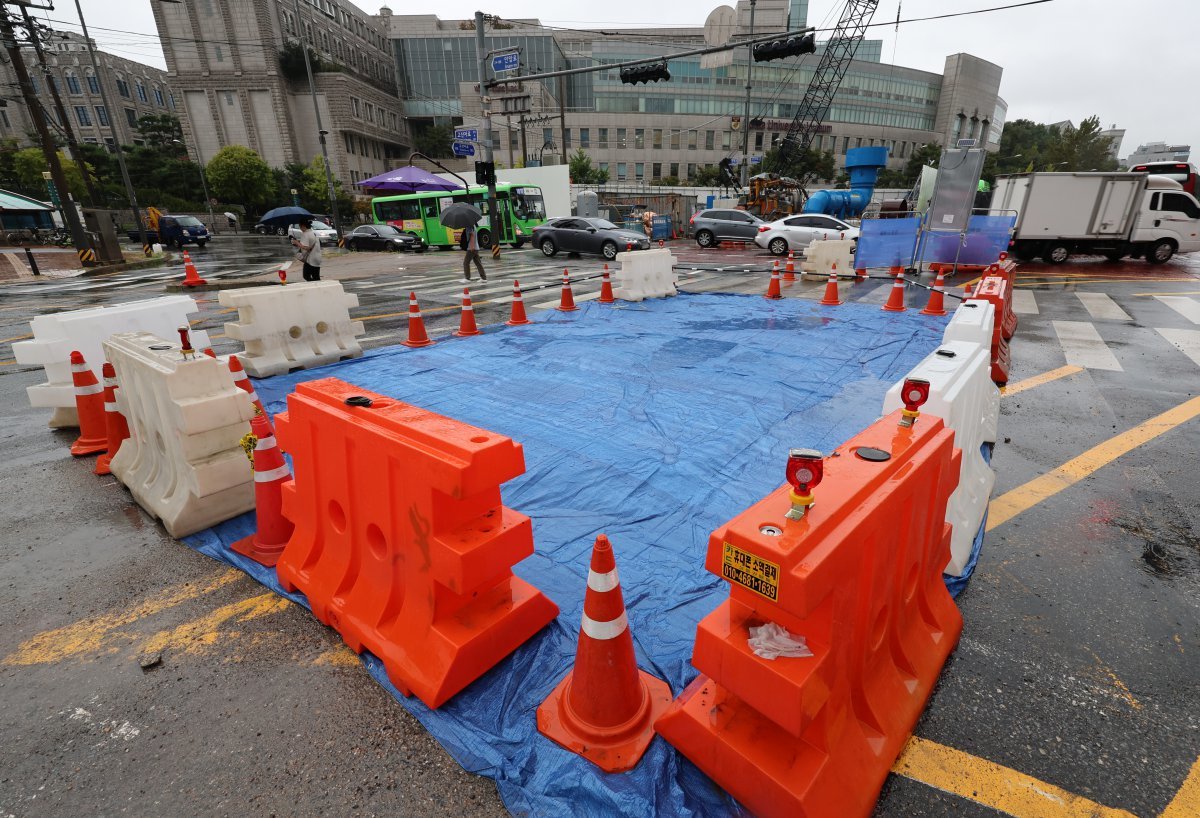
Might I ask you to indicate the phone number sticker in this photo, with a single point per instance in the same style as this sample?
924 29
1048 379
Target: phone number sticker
750 571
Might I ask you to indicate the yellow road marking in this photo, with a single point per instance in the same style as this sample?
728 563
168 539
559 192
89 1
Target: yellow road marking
90 635
16 338
423 311
198 634
1185 292
340 656
1121 687
992 785
1138 280
1186 803
1025 497
1038 380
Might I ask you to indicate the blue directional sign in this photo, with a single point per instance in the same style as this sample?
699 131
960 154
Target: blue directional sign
466 134
462 149
509 61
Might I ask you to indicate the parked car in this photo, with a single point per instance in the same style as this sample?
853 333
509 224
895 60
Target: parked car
580 235
382 237
711 227
325 233
796 232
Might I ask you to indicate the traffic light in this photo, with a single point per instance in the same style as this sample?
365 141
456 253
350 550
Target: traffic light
485 173
650 72
790 47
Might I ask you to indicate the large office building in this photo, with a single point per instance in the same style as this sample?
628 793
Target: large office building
1158 152
653 131
226 63
134 90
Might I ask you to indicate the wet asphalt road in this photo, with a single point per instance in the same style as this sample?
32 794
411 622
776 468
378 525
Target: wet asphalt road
1078 662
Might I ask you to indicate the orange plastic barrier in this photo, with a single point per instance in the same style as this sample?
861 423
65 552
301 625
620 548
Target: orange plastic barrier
859 576
995 290
401 542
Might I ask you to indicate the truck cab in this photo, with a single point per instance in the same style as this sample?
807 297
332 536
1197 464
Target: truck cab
1169 221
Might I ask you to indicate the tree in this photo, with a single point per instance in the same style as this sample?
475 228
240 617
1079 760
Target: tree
582 172
160 131
434 141
706 176
315 193
291 62
809 163
30 163
238 175
928 154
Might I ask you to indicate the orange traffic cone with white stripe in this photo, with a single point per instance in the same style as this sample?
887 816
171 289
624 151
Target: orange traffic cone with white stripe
936 305
242 381
773 290
273 530
466 324
606 291
518 307
89 403
114 422
605 708
789 269
895 302
417 337
831 289
567 303
860 274
191 278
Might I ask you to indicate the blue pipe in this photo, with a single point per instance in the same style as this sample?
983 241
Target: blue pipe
863 166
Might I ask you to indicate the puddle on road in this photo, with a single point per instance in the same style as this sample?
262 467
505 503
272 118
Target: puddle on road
1170 547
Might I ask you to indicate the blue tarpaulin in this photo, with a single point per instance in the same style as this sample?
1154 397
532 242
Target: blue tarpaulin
654 423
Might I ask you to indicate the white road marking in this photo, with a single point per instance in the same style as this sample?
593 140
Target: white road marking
549 305
1083 346
1189 308
1024 303
1186 341
1101 307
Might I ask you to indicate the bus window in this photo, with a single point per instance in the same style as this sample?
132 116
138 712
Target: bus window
528 203
387 211
431 209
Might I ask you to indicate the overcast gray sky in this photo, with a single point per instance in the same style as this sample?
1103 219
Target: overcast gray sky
1134 64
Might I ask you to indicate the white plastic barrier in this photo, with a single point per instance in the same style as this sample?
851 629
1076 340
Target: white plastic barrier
962 394
183 462
645 274
973 321
56 336
299 326
821 254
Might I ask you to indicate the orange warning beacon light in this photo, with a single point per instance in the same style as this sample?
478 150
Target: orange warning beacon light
805 468
914 394
185 343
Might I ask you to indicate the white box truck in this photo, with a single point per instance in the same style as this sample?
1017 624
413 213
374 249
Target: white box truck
1108 214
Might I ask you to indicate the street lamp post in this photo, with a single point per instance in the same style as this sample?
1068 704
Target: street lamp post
212 219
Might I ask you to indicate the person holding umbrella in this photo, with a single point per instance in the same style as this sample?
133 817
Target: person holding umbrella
462 215
309 250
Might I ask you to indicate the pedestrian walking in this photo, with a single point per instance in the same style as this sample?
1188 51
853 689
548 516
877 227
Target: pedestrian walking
470 243
308 248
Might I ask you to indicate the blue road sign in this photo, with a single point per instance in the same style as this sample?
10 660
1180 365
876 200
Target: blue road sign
462 149
509 61
466 134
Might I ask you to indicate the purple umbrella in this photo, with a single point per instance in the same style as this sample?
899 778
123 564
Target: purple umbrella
408 179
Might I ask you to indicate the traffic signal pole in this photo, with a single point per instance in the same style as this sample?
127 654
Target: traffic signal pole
745 174
485 103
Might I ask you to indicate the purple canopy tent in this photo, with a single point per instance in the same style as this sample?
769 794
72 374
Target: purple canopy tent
412 179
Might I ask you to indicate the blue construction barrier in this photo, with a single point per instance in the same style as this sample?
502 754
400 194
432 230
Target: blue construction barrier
985 239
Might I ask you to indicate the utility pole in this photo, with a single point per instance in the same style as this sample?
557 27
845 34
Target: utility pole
129 191
562 118
745 174
79 238
524 149
312 89
486 114
68 131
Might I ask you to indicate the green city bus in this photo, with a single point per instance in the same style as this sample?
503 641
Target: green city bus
521 209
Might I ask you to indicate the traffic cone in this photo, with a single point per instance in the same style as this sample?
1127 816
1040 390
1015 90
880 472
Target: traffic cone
417 337
567 303
518 307
191 278
89 403
605 708
606 292
209 352
114 422
773 290
831 289
466 326
789 270
895 302
860 274
242 381
936 305
272 529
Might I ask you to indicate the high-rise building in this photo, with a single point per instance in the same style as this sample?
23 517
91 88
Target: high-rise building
239 75
134 90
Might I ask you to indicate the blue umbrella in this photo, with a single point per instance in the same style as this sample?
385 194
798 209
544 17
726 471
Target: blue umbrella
284 215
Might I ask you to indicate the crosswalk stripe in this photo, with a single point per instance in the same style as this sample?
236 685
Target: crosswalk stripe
1189 308
1101 307
1186 341
1082 345
1024 303
554 302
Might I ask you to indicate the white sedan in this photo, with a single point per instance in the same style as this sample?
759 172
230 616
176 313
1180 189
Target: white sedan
325 233
796 232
